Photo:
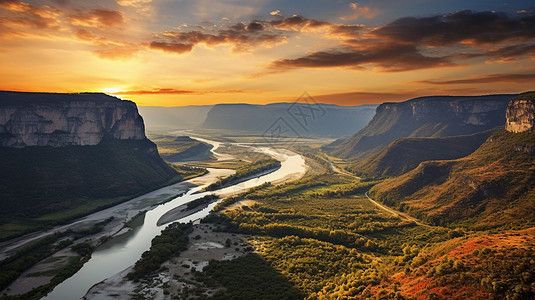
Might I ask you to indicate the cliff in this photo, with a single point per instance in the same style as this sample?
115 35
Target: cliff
67 155
439 116
58 120
521 113
493 186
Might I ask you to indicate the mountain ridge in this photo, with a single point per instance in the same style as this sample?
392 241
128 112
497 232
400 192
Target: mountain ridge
434 116
494 186
326 120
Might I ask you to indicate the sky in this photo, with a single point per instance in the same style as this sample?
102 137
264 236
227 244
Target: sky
198 52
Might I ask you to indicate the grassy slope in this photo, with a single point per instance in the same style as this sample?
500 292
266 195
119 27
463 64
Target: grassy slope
494 186
63 183
405 154
331 247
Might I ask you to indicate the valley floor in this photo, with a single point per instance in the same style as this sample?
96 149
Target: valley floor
319 236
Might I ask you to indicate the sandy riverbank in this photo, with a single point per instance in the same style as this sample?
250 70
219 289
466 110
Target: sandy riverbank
205 244
42 272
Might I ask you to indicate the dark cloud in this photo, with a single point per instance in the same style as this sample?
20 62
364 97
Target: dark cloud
463 26
243 37
171 47
405 44
98 18
240 36
255 26
492 78
513 51
387 57
297 23
347 31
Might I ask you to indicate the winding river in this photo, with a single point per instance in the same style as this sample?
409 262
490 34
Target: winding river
123 251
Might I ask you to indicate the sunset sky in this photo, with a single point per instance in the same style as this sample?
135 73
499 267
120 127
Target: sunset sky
186 52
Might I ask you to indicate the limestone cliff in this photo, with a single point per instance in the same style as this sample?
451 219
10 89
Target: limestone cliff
57 120
440 116
520 113
71 154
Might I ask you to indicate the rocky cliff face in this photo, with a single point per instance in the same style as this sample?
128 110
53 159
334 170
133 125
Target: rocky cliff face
520 113
47 119
464 112
440 116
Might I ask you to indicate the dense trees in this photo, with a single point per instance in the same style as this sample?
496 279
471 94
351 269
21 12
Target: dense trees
258 280
330 244
172 240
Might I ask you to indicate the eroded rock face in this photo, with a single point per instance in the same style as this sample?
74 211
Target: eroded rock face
520 115
43 119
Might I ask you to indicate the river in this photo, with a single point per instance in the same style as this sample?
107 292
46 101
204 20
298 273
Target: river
123 251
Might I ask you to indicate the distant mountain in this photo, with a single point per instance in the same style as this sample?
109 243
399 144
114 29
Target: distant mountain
326 120
64 155
438 116
493 186
405 154
181 116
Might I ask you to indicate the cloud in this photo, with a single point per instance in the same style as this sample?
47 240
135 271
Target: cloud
27 15
510 52
298 23
360 11
173 91
240 37
415 42
386 57
477 28
246 36
97 18
143 7
171 47
134 3
491 78
276 13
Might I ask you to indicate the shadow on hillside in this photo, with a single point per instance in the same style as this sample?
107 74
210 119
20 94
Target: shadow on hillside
248 277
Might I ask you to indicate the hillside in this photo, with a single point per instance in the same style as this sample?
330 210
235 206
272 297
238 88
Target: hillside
405 154
438 116
65 155
493 186
327 120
